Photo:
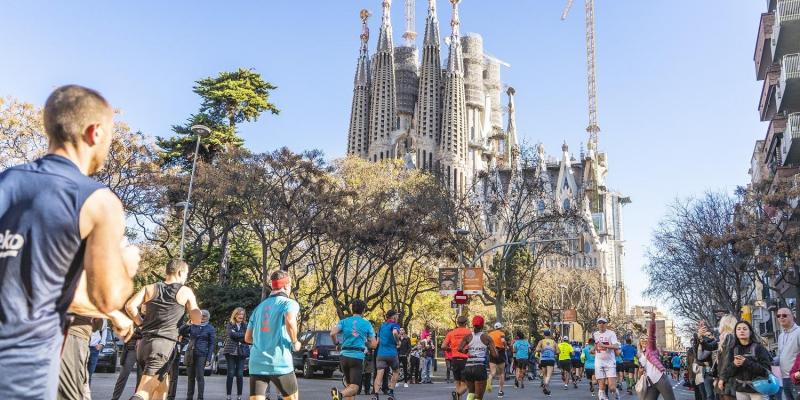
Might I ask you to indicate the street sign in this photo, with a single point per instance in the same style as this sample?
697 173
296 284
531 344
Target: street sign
473 281
460 298
570 315
448 281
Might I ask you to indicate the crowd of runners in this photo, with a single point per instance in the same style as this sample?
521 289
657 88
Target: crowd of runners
66 265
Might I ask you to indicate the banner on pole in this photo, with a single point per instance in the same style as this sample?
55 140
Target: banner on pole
473 281
448 281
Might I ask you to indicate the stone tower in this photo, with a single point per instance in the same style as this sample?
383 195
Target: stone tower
358 137
428 113
383 105
453 145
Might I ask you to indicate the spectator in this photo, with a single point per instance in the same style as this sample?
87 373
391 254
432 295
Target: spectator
750 361
415 361
199 353
96 343
788 349
235 351
721 349
427 354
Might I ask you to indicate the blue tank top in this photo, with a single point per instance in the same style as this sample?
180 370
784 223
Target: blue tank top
41 259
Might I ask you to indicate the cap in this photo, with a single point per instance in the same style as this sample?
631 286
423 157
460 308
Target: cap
391 313
602 319
462 320
565 338
498 325
477 320
547 332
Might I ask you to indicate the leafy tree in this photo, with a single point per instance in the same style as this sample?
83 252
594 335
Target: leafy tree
22 136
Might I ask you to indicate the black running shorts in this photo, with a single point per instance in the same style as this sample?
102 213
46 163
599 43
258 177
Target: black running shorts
521 363
547 363
286 384
458 365
351 369
475 373
565 365
500 359
577 364
589 374
155 355
628 366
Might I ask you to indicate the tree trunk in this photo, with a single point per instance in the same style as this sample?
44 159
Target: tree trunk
223 262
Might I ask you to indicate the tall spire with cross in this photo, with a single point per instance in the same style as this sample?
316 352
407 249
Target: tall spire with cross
358 137
383 105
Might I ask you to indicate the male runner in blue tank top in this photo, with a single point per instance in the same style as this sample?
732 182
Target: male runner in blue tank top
357 335
387 356
55 223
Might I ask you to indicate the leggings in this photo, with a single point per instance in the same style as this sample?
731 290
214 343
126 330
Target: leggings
663 387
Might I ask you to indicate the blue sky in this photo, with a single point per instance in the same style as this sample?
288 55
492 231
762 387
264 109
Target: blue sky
677 91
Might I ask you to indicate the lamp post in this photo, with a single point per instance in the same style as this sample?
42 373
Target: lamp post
201 131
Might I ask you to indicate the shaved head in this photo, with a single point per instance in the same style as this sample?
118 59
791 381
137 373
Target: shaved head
70 110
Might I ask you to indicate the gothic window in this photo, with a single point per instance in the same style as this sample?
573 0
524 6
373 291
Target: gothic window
566 204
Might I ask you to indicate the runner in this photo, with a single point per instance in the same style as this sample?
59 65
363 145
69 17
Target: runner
388 336
55 224
628 364
577 364
458 359
606 344
676 367
546 348
588 363
272 329
521 349
564 352
357 334
497 365
476 346
165 303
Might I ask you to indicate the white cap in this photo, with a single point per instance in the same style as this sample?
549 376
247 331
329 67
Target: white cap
565 338
498 325
602 319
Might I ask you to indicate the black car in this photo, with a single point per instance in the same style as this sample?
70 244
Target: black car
317 353
222 361
107 359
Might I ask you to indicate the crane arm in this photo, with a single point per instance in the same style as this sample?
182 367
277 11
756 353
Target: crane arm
566 10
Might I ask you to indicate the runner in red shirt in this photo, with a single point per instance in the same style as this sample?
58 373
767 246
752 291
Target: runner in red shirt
458 360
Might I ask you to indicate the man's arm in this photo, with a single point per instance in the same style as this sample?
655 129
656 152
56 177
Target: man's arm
290 319
248 336
462 347
446 343
133 305
186 296
109 267
334 332
81 305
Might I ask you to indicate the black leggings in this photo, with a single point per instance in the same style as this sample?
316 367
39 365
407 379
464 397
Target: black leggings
663 387
404 368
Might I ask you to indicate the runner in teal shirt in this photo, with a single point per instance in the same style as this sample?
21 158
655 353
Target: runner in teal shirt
356 334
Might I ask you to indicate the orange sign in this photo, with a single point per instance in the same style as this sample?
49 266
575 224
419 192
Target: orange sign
570 316
473 281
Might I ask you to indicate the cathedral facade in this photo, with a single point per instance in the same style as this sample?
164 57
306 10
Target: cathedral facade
448 119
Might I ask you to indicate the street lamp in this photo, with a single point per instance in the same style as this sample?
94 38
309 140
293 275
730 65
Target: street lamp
201 131
561 319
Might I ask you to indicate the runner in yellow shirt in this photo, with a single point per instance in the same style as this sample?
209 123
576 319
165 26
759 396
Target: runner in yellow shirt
565 360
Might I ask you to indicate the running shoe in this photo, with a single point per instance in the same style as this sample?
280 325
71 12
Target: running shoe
516 382
575 384
500 394
405 384
566 386
454 395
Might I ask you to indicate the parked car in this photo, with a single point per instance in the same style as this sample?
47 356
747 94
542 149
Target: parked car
107 359
222 362
209 368
317 353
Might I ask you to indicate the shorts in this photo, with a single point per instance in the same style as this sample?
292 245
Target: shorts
475 373
458 365
155 356
589 374
351 369
383 362
73 378
521 363
577 364
676 369
603 372
500 359
547 363
565 365
628 366
286 384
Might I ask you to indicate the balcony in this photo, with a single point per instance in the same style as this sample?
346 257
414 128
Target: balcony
787 95
763 53
767 105
790 144
786 29
772 144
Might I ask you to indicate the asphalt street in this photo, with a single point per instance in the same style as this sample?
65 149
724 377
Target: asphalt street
319 389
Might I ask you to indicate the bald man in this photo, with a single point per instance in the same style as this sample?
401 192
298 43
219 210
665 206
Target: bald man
788 347
55 224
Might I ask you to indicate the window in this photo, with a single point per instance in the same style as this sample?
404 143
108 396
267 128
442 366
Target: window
566 204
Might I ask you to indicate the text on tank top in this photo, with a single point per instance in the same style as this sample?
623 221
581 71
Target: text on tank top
476 350
162 313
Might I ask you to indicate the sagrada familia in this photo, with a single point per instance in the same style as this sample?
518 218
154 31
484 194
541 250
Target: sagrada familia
449 120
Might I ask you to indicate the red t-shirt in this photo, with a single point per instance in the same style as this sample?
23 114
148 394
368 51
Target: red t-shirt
453 339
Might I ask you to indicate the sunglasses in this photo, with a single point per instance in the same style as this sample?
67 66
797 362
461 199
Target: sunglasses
783 315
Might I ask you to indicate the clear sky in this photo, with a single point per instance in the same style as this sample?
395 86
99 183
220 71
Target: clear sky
678 97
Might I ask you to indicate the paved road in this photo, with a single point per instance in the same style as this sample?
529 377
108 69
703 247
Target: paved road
318 389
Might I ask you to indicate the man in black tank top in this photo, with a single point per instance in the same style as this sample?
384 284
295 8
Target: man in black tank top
478 347
56 224
166 303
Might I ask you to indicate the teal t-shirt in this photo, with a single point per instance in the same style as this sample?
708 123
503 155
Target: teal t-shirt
271 353
589 357
355 332
521 349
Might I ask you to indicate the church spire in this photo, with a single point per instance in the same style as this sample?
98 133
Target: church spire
429 112
511 130
453 142
383 99
358 138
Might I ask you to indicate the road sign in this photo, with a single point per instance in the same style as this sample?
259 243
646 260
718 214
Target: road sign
448 281
473 281
570 315
460 298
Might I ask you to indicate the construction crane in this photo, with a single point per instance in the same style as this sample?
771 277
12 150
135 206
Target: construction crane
410 34
593 127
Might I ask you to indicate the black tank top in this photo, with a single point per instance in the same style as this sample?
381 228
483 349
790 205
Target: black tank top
162 313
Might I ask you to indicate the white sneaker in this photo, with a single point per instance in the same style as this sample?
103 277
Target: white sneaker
405 385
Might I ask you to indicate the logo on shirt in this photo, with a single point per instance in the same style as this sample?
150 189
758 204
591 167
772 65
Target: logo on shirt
10 244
